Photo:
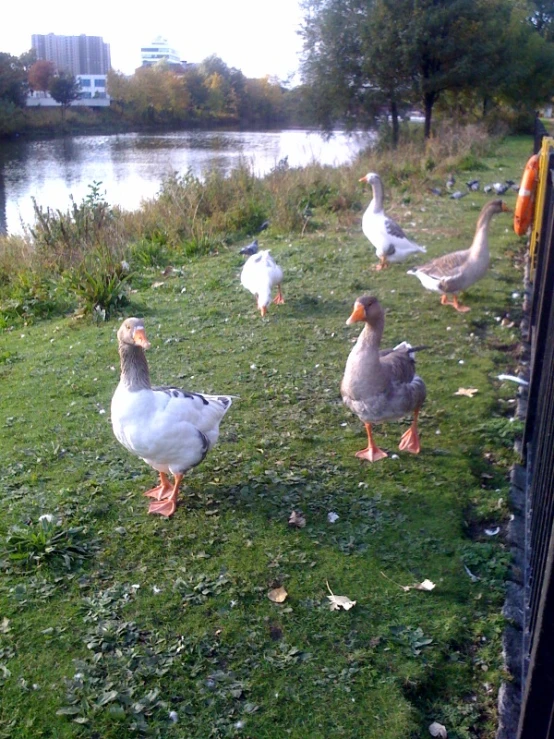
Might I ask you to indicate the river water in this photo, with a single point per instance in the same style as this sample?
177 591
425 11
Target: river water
131 167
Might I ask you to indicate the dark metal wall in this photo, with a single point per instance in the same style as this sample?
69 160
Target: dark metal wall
537 710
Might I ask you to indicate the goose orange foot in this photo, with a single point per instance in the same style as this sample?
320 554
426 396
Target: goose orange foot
410 441
383 264
163 507
166 507
454 303
279 299
162 491
372 453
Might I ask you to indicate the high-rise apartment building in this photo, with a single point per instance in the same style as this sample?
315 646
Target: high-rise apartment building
76 54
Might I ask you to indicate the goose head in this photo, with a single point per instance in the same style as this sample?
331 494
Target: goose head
131 333
366 309
371 178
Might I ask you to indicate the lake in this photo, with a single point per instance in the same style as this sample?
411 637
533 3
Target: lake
132 166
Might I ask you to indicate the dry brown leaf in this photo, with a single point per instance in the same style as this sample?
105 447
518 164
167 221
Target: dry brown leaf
277 595
425 585
468 391
339 601
297 519
436 729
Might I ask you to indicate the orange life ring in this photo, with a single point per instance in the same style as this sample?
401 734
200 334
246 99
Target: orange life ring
523 214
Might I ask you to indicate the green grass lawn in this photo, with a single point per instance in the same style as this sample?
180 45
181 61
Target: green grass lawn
147 616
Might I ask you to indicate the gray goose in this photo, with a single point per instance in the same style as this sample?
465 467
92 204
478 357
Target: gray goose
381 385
454 272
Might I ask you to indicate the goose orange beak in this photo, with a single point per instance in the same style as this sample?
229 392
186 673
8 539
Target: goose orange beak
505 208
358 314
363 179
139 337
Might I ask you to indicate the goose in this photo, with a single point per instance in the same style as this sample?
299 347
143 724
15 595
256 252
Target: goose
381 385
259 275
171 429
454 272
390 242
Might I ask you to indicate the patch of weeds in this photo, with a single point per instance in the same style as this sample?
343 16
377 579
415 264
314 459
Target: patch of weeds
197 589
411 639
488 561
99 283
30 295
149 253
46 543
470 162
503 430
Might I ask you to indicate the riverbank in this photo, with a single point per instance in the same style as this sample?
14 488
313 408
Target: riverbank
130 623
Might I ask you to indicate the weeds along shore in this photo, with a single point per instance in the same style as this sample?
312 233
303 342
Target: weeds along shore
72 260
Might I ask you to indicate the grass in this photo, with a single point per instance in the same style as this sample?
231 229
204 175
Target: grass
137 625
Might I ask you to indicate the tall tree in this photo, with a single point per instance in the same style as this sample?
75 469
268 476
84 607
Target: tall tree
13 79
359 53
64 88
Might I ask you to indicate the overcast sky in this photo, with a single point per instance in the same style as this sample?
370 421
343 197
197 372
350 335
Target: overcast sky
258 37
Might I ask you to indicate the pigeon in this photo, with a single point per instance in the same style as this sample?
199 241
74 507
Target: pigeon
499 188
435 190
450 182
473 185
487 189
263 227
250 249
458 195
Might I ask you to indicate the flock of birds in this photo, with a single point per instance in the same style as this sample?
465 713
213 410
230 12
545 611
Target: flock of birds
172 429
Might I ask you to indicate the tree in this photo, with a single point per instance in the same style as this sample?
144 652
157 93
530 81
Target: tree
360 54
40 75
13 80
64 88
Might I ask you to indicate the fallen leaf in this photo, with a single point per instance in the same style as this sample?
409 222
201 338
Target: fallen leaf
277 595
436 729
425 585
157 284
469 391
340 601
297 519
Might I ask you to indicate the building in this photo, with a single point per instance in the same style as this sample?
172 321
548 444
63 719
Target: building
75 54
158 51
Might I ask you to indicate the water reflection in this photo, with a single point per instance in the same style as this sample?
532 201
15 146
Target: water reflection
132 166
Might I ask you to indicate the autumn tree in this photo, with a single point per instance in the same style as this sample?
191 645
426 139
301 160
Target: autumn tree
40 75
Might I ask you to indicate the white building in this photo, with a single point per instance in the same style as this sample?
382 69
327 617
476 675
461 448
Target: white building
93 93
158 51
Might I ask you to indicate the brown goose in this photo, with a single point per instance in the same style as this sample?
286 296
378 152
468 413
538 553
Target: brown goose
454 272
381 385
171 429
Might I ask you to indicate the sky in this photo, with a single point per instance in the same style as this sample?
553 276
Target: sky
256 36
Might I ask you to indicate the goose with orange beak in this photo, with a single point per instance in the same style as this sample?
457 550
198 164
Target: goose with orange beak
390 242
171 429
381 385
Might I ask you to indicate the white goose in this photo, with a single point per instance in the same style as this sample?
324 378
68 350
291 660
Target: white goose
171 429
390 242
260 275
